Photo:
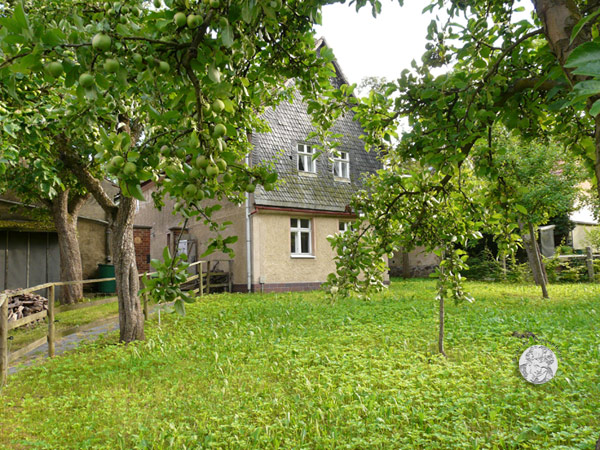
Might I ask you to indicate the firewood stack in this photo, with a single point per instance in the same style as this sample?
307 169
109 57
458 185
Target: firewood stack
25 305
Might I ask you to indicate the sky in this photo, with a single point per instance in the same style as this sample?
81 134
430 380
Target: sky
383 47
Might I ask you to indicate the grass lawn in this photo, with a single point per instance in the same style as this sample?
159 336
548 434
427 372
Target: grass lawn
291 371
63 320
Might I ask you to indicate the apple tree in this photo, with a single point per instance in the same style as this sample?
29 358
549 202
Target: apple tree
168 92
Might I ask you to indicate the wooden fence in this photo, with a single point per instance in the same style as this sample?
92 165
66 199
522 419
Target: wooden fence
201 279
589 261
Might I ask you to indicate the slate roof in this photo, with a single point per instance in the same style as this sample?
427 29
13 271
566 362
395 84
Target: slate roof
290 126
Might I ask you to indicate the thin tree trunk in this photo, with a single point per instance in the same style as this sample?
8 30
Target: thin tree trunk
537 260
68 243
441 329
131 316
528 243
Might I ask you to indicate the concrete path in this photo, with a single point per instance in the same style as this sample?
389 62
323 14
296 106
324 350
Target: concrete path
71 341
65 344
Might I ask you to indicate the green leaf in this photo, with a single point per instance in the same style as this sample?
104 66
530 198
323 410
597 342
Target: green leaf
179 307
585 53
595 109
521 209
577 28
227 36
166 255
136 191
20 16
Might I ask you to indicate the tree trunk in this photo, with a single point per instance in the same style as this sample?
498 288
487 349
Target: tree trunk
68 243
558 18
441 329
536 261
531 254
131 317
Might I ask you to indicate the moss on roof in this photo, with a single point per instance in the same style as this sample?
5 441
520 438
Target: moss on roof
26 225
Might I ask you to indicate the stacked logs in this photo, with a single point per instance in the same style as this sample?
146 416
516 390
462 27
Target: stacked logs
24 305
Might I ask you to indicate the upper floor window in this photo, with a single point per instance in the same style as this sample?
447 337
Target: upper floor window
341 165
301 237
306 163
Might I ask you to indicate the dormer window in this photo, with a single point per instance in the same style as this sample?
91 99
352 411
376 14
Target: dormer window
341 165
306 163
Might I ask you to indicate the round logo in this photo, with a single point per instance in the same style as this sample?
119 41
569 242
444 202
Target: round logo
538 364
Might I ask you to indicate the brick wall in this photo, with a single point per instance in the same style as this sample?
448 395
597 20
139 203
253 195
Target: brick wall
141 239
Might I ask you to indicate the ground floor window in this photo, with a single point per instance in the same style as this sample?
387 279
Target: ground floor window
343 226
301 236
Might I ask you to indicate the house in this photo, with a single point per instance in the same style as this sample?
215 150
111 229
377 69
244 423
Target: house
29 252
282 243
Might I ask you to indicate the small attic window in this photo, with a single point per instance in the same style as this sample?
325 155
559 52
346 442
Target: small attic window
341 165
306 163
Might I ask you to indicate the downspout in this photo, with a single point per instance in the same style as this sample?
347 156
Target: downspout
248 239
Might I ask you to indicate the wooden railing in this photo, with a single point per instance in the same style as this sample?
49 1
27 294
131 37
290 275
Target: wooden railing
589 261
52 335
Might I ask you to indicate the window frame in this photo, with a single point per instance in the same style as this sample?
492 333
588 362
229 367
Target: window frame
305 153
340 162
296 237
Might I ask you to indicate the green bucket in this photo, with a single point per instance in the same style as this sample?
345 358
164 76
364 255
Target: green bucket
106 271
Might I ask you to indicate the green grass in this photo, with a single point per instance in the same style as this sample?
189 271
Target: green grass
291 371
64 320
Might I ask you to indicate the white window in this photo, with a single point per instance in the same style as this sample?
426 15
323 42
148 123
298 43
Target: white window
341 165
305 159
301 239
343 227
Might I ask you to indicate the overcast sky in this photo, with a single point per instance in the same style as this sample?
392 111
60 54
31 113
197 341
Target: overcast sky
381 47
384 46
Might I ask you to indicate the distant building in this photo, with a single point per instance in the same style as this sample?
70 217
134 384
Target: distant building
288 226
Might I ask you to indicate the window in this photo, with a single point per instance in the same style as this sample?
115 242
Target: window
343 227
300 234
305 159
341 165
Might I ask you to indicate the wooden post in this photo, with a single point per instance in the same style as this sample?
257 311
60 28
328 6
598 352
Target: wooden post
3 339
590 263
230 275
145 297
51 321
405 264
201 280
208 277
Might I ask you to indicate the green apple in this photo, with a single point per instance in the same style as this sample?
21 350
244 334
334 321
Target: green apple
221 164
165 151
117 161
180 19
129 168
250 188
190 191
55 69
101 42
202 162
215 3
86 80
218 106
180 152
137 59
212 170
157 4
163 67
219 131
269 186
193 21
111 65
